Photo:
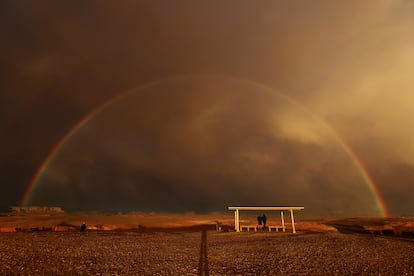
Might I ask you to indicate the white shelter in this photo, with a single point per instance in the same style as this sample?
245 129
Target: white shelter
239 227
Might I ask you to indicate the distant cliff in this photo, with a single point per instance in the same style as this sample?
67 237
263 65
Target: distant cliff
35 210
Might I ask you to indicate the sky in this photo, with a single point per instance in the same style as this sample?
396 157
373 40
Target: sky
198 105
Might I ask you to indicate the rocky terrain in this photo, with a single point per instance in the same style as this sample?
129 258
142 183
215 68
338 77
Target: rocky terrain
203 252
188 244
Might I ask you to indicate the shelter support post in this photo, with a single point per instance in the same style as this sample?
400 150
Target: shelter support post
237 220
293 221
283 221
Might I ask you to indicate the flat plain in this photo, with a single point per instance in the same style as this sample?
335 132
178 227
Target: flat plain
332 247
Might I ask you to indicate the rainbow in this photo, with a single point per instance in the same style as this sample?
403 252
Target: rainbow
380 204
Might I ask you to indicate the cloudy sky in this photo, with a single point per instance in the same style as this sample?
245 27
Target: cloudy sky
229 102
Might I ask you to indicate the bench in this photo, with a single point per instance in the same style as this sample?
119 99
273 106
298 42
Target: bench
248 227
276 227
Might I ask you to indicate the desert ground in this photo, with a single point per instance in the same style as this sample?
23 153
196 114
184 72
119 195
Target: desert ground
189 244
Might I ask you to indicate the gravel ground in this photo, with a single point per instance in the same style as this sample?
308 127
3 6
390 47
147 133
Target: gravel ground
208 253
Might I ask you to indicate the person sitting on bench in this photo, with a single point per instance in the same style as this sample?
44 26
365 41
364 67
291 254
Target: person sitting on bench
259 222
264 219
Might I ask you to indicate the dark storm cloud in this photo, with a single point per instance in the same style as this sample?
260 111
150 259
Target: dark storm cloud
395 179
348 62
199 143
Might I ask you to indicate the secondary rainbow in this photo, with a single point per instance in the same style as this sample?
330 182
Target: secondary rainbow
380 204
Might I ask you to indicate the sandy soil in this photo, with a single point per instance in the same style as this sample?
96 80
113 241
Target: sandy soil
115 221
